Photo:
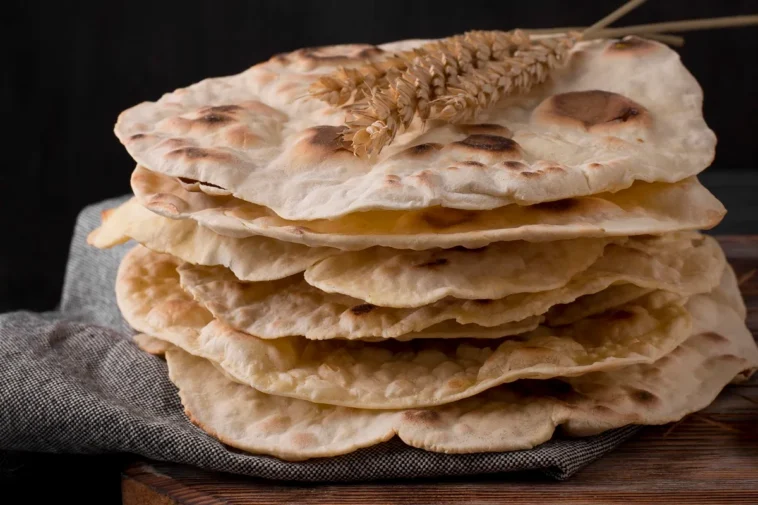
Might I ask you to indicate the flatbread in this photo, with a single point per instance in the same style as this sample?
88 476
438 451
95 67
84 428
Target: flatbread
151 345
290 306
642 209
251 258
401 278
390 375
595 303
419 277
507 418
617 113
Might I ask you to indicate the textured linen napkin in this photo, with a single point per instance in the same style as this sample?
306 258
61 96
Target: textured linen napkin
72 381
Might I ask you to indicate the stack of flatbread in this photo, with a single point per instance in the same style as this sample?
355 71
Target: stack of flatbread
473 287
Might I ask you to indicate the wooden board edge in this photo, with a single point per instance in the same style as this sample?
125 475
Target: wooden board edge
142 484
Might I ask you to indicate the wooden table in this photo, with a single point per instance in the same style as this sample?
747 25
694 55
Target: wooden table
709 457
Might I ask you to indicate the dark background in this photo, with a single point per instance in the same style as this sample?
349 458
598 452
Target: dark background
68 70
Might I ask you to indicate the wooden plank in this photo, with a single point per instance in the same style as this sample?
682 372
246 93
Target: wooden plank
709 457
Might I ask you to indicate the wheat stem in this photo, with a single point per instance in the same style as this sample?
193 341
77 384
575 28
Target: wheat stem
613 16
679 26
671 40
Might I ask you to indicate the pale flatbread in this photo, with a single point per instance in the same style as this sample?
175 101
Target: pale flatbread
595 303
642 209
251 258
290 306
393 374
615 114
507 418
401 278
418 277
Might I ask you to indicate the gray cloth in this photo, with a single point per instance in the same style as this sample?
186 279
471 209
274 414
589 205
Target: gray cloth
72 381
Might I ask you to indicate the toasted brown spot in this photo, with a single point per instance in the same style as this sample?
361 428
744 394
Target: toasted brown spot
530 175
444 217
514 165
105 214
557 205
554 169
663 360
260 109
485 129
620 315
422 150
363 308
425 177
328 137
595 165
631 46
173 143
196 153
215 119
494 143
639 140
284 87
333 54
438 262
221 109
715 337
472 163
642 396
304 439
590 109
651 372
601 409
426 416
274 424
727 358
137 136
392 180
241 136
300 230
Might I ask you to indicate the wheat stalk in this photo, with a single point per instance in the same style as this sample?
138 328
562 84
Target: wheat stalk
469 50
481 88
348 83
446 68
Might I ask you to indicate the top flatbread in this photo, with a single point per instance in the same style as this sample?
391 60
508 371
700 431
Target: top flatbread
618 112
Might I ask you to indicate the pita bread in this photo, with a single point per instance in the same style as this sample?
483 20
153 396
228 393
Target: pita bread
617 113
290 307
389 375
507 418
642 209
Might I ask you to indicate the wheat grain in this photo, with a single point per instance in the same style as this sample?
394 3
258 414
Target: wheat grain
481 88
452 80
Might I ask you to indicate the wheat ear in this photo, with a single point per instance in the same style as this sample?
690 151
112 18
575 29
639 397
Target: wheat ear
409 94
